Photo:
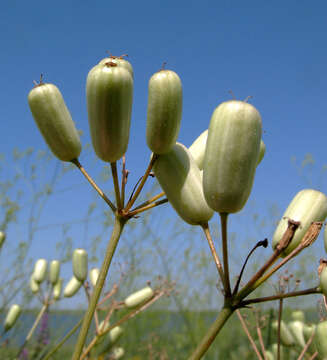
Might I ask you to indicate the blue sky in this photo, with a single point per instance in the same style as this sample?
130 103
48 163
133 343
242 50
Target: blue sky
274 51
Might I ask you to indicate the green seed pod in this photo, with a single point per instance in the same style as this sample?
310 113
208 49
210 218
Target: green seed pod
106 341
34 286
117 353
12 317
321 339
164 114
323 281
94 274
274 350
181 180
261 152
54 121
109 93
80 264
198 148
298 315
40 270
285 334
120 61
296 328
2 238
308 330
269 355
231 155
325 238
57 289
54 271
139 297
72 287
307 206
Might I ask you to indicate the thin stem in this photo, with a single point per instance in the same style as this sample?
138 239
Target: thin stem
116 184
262 345
65 338
123 181
94 185
280 311
141 185
246 330
148 207
213 331
223 218
154 198
207 233
310 291
117 230
306 347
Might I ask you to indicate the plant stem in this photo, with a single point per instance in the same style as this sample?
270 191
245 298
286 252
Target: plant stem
94 185
65 338
117 230
207 233
123 181
280 311
147 207
116 184
154 198
213 331
227 288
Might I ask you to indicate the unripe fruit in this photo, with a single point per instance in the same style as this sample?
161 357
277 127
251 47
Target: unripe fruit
12 317
117 353
106 341
80 264
323 281
261 152
54 121
2 238
72 287
57 289
285 334
165 100
274 350
325 238
94 274
40 270
139 297
34 286
307 206
54 270
308 330
296 328
198 149
109 93
231 155
320 339
269 355
298 315
181 180
119 61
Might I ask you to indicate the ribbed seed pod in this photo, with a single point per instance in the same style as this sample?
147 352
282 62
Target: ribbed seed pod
139 297
12 317
231 155
94 274
325 238
119 61
54 271
72 287
298 315
274 350
109 93
40 270
80 264
269 355
2 238
261 152
323 281
321 339
165 101
54 121
57 289
296 328
181 180
34 286
307 206
285 334
198 149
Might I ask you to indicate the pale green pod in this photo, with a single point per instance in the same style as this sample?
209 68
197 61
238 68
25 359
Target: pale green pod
2 238
307 206
198 149
323 281
325 238
40 270
54 271
231 155
54 121
296 328
139 297
119 61
285 334
181 180
106 341
117 353
298 315
34 286
80 264
269 355
12 317
274 350
103 326
72 287
109 93
321 339
57 289
165 101
94 274
307 332
261 152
